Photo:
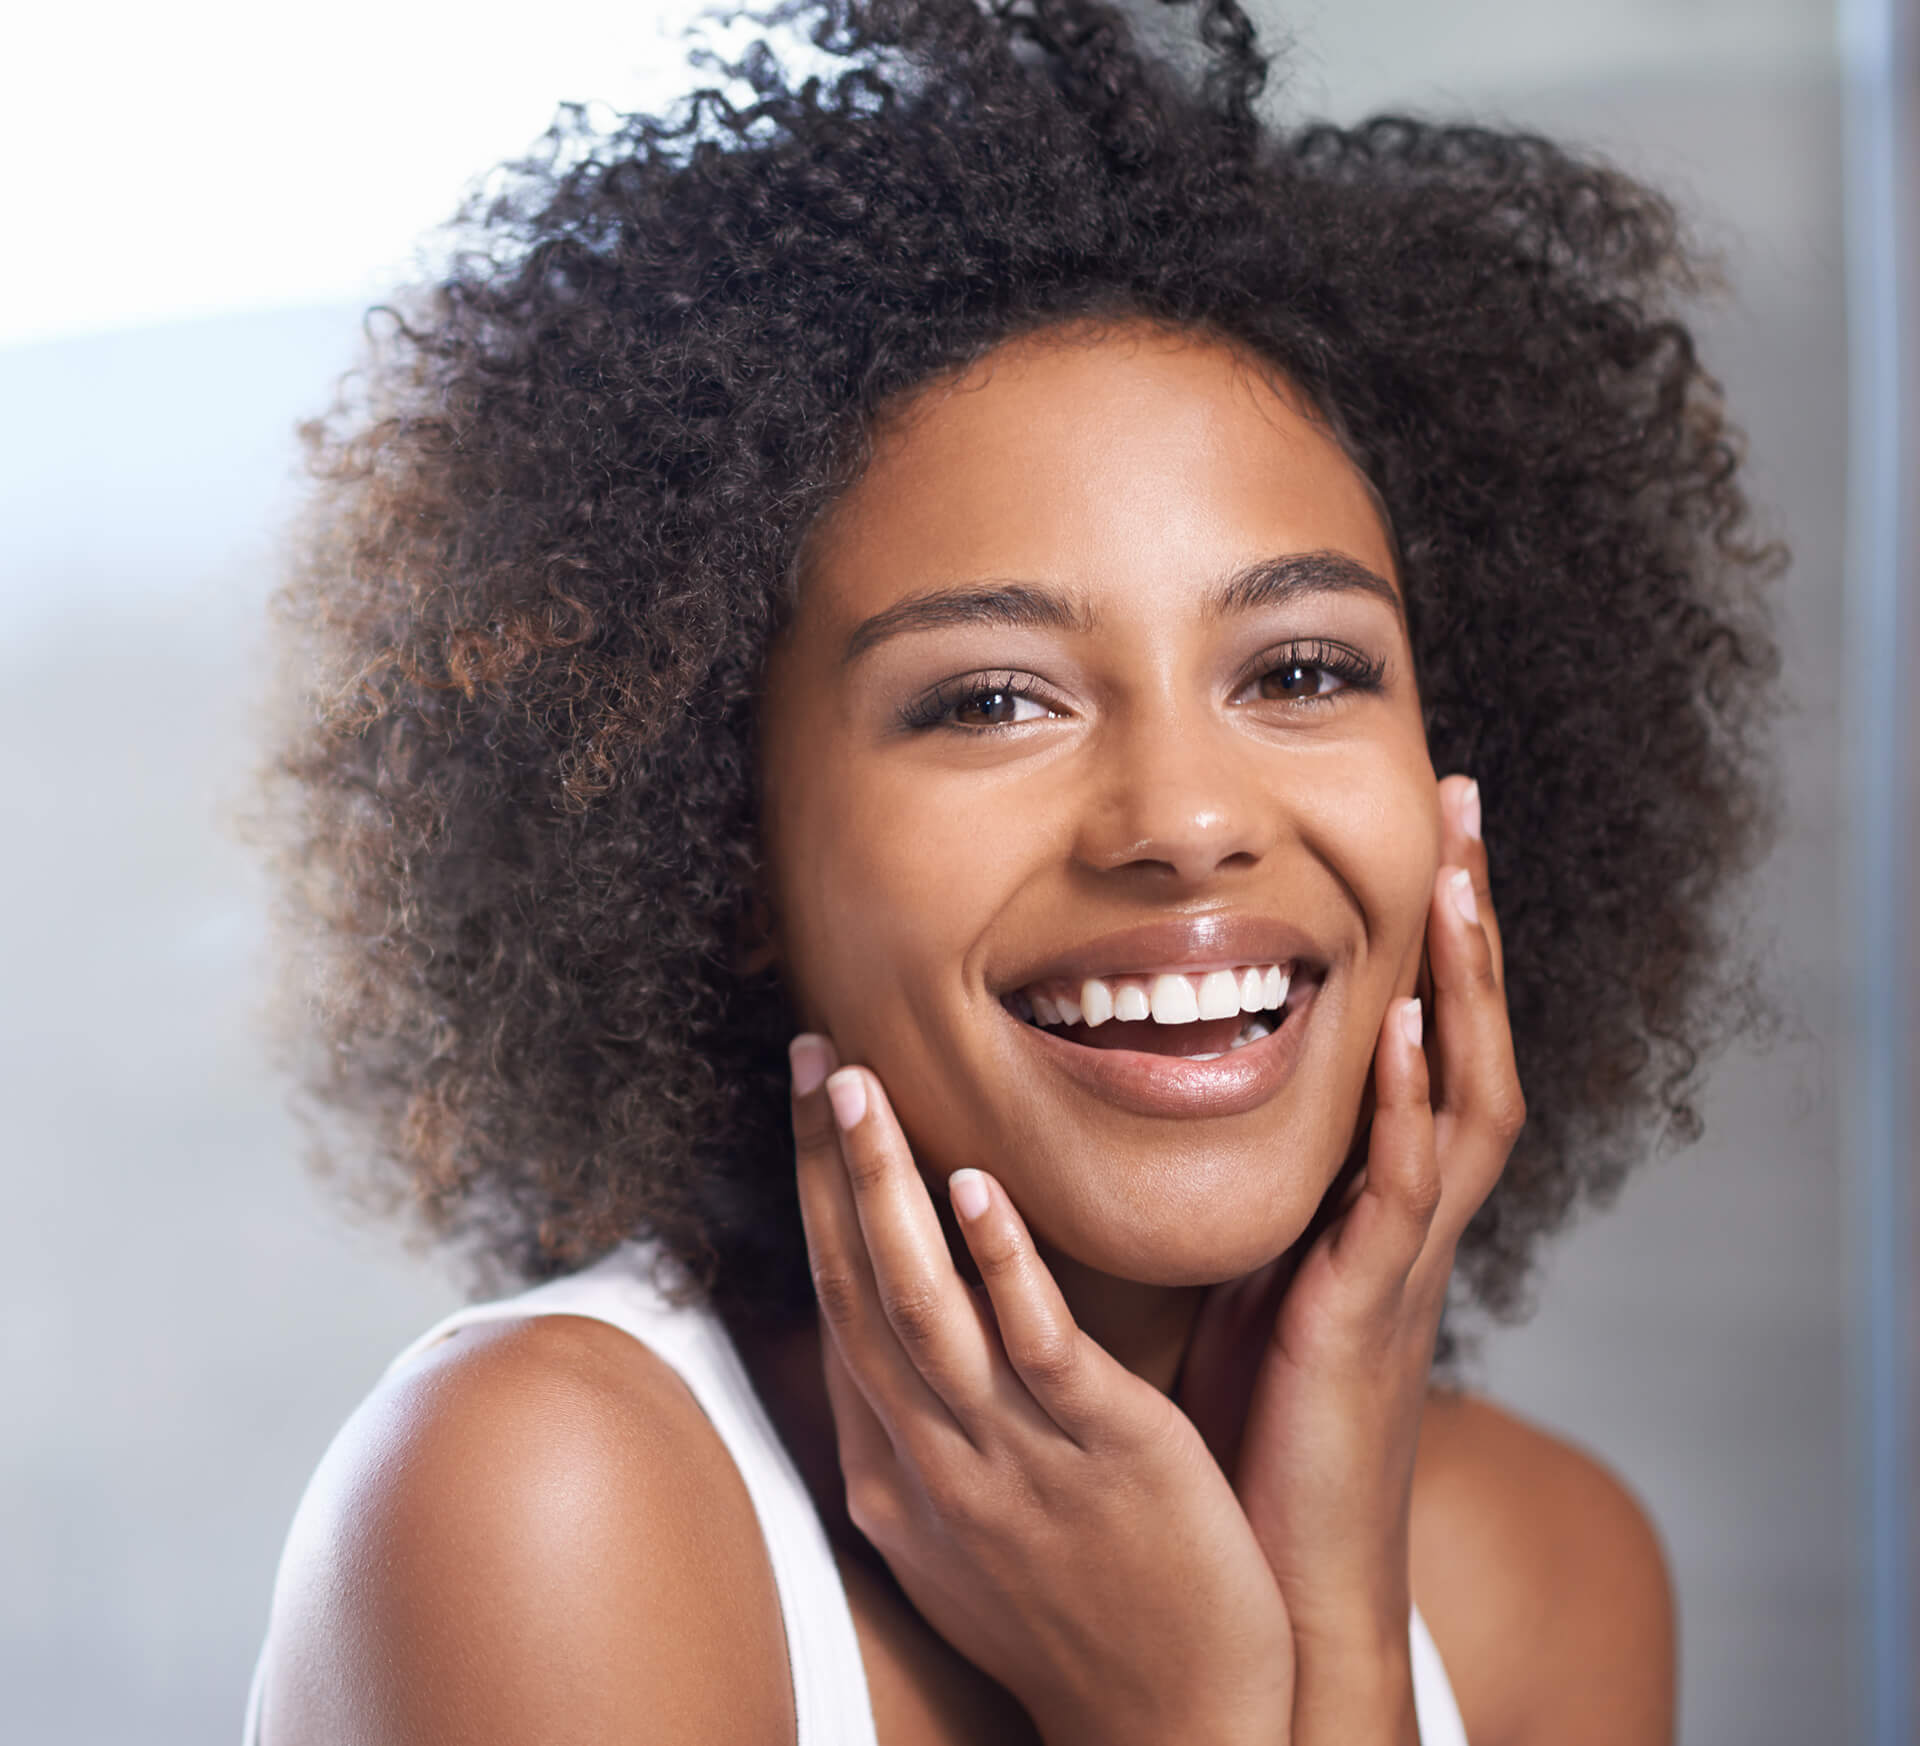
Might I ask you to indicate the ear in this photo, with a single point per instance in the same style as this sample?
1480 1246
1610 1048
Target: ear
756 937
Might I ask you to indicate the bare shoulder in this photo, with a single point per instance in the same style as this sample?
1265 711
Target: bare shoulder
1543 1582
531 1532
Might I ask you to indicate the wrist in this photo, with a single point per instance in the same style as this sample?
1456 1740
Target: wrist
1356 1693
1359 1622
1256 1719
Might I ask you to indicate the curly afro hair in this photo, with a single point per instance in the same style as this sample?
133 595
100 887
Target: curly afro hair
557 527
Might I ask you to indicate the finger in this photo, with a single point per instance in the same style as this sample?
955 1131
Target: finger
1479 1110
1462 845
869 1465
1067 1374
843 1281
1375 1245
933 1316
862 1438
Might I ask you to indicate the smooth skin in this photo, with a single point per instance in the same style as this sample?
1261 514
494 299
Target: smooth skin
1143 1448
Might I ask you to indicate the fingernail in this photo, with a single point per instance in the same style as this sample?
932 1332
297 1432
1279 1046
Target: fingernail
1410 1021
1470 811
969 1191
1463 898
847 1092
811 1058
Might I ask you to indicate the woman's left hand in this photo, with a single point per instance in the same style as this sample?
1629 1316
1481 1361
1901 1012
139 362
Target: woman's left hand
1308 1380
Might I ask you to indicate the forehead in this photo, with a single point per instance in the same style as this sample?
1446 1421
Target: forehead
1098 460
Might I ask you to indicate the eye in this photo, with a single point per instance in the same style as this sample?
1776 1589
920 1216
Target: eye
978 703
1299 679
996 709
1307 672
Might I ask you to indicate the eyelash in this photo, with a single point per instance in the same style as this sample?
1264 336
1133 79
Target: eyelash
1355 672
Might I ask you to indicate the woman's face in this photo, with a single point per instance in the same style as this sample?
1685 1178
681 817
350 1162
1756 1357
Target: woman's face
1100 676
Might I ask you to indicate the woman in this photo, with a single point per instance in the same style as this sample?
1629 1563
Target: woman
1009 567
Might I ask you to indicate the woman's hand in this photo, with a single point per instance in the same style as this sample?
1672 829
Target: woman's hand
1058 1520
1309 1384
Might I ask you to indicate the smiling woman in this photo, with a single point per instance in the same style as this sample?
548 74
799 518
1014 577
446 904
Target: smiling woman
1018 571
1190 745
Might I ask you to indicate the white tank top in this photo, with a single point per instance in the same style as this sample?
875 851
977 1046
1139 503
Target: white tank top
830 1702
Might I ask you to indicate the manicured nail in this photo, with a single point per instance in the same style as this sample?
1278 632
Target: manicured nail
1410 1021
1463 898
847 1092
1470 811
969 1191
811 1058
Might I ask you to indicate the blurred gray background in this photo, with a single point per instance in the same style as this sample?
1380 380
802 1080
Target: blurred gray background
187 1318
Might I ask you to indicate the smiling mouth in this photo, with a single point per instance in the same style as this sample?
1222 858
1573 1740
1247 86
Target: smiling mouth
1193 1016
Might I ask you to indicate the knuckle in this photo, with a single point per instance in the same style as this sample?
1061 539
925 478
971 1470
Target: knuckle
873 1506
1048 1358
913 1312
866 1168
1420 1190
838 1292
998 1255
1509 1111
812 1126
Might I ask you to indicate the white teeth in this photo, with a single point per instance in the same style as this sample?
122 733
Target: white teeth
1170 998
1251 1032
1219 995
1172 1001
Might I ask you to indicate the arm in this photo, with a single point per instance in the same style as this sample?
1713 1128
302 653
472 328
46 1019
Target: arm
1544 1585
532 1533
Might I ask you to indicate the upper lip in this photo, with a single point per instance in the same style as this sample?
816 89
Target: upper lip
1177 944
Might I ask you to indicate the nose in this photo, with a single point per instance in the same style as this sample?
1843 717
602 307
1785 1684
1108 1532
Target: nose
1180 801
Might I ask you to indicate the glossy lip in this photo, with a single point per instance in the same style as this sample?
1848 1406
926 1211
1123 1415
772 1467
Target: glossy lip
1179 944
1173 1085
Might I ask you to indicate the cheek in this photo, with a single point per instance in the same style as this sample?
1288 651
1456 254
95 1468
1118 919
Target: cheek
1388 853
879 896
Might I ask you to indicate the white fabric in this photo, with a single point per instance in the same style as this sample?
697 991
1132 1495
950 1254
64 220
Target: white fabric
830 1702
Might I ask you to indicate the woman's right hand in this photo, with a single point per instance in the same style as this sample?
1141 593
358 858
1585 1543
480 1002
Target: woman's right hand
1055 1518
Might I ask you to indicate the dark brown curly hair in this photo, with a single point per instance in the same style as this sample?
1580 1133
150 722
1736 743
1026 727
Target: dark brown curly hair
558 522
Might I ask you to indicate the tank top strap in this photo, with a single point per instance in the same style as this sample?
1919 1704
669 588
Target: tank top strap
629 1289
1433 1702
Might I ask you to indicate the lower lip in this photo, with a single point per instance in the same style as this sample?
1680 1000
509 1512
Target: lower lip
1173 1085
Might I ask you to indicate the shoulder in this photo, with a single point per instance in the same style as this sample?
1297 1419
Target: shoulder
532 1531
1543 1582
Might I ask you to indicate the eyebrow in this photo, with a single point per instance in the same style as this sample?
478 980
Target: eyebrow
1293 575
1017 604
1025 606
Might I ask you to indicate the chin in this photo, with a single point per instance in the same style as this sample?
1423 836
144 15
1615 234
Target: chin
1193 1213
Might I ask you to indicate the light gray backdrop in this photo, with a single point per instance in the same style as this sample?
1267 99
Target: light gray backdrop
186 1319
